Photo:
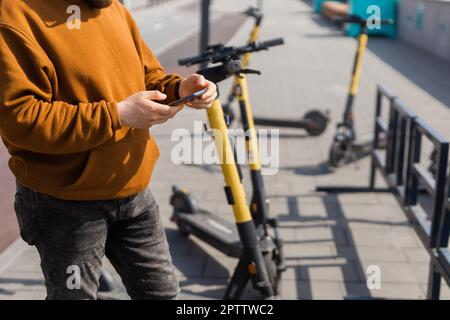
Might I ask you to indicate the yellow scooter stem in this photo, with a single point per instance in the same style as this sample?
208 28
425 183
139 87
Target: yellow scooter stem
229 168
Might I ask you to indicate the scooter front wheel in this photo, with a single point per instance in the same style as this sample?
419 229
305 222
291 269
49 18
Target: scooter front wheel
273 272
339 152
317 122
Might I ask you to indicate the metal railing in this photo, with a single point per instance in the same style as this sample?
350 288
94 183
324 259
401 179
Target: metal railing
440 258
423 196
409 180
380 139
383 134
426 223
392 164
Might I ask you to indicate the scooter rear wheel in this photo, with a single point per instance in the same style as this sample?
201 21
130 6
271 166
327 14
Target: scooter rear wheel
182 201
318 122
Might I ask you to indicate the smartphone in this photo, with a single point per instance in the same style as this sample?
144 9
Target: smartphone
193 96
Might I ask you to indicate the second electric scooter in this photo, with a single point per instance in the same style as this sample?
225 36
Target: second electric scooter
314 122
249 239
345 145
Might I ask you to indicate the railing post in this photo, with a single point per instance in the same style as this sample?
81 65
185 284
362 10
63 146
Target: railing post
444 230
434 283
391 138
400 158
413 158
440 200
376 137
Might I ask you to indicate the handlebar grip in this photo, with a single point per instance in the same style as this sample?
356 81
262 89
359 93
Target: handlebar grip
272 43
348 19
253 12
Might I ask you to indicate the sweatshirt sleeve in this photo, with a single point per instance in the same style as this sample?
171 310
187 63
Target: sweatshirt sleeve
155 75
156 78
30 119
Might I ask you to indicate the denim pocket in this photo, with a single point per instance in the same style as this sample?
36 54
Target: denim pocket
24 230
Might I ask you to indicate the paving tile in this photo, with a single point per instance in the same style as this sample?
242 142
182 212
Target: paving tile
29 295
189 266
322 235
387 291
396 237
222 267
196 288
371 253
306 251
325 269
416 255
444 293
399 272
319 290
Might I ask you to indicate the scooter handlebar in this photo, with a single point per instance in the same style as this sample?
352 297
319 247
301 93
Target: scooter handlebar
271 43
253 12
356 19
221 53
194 60
348 19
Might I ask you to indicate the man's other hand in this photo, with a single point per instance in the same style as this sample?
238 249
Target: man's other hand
196 83
141 111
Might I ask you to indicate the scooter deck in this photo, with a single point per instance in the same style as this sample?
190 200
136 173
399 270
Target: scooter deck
282 123
214 230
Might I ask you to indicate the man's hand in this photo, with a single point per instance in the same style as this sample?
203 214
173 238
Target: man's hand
196 83
141 111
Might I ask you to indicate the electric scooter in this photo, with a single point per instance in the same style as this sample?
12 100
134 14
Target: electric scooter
254 238
345 145
314 122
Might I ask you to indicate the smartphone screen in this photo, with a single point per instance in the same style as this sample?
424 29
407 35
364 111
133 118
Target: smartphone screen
188 98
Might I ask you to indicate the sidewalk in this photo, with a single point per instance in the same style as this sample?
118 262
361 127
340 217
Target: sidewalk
330 240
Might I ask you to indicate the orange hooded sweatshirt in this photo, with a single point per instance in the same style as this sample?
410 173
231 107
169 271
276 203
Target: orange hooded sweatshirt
59 88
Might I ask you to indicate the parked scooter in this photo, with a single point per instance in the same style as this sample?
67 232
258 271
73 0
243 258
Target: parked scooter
314 121
254 238
345 146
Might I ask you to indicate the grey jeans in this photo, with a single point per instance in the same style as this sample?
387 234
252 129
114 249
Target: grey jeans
73 236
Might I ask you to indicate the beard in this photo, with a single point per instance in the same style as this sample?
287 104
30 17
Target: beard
98 4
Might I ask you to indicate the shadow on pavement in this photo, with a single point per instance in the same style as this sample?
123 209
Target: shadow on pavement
298 135
18 281
350 264
26 282
322 168
195 274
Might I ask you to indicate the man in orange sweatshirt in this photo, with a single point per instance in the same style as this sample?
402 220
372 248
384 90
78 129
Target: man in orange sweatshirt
76 105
